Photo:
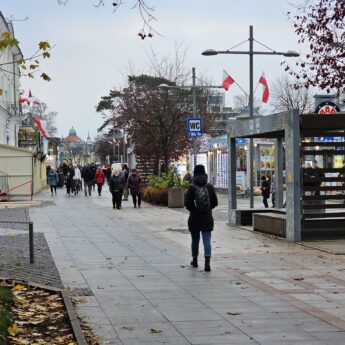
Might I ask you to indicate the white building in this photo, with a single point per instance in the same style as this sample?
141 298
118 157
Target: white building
9 84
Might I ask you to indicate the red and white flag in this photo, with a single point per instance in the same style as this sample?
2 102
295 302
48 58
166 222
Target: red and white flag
113 142
266 91
227 81
23 100
33 100
40 124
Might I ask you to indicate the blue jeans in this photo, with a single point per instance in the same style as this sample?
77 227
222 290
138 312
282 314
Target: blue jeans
206 238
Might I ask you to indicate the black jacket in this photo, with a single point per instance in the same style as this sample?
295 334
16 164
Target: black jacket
200 221
117 183
87 174
265 189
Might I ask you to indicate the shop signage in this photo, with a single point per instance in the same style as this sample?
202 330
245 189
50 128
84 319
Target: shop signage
326 108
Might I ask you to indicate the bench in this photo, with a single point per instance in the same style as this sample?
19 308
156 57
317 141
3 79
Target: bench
245 216
270 223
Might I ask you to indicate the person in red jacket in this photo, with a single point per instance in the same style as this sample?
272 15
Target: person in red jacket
100 178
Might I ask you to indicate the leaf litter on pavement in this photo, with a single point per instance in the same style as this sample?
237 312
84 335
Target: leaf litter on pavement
39 317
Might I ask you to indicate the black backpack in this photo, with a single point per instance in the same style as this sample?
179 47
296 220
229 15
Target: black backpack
201 199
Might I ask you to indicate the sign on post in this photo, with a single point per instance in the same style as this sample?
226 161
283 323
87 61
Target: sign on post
194 127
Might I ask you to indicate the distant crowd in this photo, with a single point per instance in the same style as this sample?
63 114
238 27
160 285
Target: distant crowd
76 178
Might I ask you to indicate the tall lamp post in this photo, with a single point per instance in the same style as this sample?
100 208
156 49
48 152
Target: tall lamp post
194 87
251 53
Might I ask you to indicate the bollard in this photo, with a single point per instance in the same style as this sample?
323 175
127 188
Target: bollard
31 242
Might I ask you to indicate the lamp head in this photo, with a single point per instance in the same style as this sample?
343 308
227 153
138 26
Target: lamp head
291 53
163 87
209 52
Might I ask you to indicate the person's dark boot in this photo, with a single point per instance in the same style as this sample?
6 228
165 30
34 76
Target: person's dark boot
207 264
194 262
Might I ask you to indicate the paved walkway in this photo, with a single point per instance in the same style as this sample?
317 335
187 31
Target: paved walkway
135 262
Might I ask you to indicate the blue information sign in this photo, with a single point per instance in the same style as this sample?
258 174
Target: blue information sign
194 127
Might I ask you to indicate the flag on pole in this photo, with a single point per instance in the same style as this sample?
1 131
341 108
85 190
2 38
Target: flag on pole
32 99
113 142
23 100
266 91
40 124
227 81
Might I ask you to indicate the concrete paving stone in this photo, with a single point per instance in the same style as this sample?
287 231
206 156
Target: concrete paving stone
262 338
105 333
85 301
143 331
188 315
197 330
312 325
243 307
219 339
158 341
135 316
85 311
331 338
311 342
263 326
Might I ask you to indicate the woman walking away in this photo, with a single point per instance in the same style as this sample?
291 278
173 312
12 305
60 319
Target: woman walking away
265 190
117 183
201 198
135 184
100 178
53 180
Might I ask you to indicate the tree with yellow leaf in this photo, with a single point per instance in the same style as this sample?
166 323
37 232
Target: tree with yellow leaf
13 64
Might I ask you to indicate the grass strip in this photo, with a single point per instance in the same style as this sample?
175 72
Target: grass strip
6 300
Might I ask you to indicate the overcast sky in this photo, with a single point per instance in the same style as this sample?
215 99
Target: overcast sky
93 46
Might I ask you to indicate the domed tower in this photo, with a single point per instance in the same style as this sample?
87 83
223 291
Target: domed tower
72 137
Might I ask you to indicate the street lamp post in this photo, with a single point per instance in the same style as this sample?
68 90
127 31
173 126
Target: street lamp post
194 87
251 53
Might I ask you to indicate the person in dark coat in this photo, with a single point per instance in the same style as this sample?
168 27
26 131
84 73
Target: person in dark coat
117 183
200 221
87 176
93 170
69 179
125 173
53 180
135 185
265 190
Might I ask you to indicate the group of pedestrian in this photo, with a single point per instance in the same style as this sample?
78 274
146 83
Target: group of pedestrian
119 180
123 181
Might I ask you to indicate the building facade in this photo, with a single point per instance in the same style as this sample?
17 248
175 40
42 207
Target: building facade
10 119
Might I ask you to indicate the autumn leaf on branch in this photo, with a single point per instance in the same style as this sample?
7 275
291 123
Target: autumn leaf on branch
25 64
320 25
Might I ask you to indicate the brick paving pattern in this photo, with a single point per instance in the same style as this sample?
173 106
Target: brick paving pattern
14 252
